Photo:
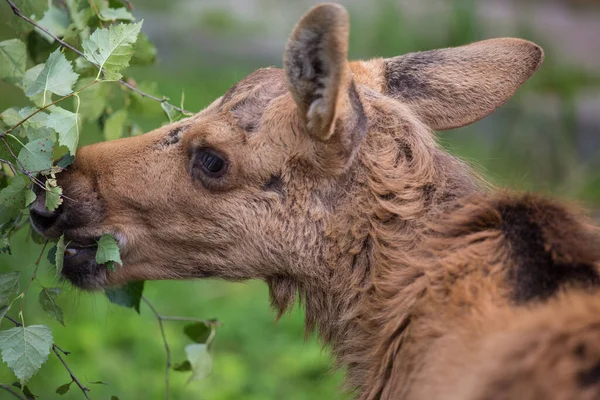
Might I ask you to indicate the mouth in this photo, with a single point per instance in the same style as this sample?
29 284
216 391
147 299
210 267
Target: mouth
80 266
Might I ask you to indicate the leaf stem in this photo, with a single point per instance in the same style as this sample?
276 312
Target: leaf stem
19 14
37 265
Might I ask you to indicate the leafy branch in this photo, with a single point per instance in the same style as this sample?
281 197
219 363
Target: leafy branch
19 14
192 332
57 350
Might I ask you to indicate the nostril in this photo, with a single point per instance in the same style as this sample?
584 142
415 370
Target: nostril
42 218
43 221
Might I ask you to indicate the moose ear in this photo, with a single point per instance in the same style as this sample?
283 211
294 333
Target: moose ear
454 87
320 79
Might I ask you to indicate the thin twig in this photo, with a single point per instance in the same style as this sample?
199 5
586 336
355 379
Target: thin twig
19 14
56 350
164 338
9 390
84 389
33 275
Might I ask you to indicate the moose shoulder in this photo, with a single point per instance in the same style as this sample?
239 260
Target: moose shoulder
324 179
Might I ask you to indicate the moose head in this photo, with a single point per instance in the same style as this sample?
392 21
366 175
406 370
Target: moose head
316 178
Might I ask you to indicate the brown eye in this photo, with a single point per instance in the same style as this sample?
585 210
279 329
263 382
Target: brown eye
211 163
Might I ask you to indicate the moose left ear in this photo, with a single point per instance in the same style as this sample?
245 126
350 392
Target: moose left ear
321 82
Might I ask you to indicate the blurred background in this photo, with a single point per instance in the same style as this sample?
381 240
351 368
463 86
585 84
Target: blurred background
547 139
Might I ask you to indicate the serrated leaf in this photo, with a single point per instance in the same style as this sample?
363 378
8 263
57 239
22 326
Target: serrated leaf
47 299
53 197
182 366
111 48
35 126
108 250
36 156
93 100
115 124
62 389
66 124
200 361
60 254
197 332
128 295
13 59
9 287
56 21
25 349
56 77
144 51
113 14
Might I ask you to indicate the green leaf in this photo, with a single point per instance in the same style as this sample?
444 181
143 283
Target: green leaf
56 77
115 124
13 60
112 48
62 389
12 199
36 156
53 197
182 366
9 287
47 299
200 361
128 295
114 398
56 20
66 124
30 197
172 113
108 250
52 255
113 14
66 160
25 349
60 254
29 79
34 8
144 51
197 332
80 12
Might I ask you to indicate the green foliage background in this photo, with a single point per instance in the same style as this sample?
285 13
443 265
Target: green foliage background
254 357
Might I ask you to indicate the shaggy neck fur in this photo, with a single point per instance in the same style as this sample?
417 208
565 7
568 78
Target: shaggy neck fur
401 177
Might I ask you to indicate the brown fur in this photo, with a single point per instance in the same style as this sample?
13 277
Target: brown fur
426 284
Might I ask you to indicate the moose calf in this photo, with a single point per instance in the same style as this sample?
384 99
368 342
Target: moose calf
325 180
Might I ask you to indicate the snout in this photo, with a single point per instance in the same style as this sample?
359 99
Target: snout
79 266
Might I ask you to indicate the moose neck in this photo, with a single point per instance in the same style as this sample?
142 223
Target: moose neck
387 228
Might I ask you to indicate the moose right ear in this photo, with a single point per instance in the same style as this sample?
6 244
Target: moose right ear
453 87
321 82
